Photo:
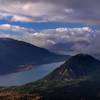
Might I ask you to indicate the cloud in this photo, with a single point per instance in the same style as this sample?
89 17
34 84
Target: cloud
33 11
84 9
12 31
59 40
94 47
49 37
66 40
17 18
15 28
69 39
53 10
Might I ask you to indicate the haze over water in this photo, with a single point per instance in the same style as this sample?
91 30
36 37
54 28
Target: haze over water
28 76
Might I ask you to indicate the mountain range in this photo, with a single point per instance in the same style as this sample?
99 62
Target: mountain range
77 79
18 56
76 67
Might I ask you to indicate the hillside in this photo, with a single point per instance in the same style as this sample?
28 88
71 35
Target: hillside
77 79
18 56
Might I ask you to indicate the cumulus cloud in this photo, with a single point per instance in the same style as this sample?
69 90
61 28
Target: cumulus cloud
17 18
59 40
12 31
15 28
69 39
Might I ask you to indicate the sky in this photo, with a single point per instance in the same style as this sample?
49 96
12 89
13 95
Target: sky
62 26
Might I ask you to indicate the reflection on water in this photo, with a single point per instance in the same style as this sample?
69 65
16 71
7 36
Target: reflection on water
28 76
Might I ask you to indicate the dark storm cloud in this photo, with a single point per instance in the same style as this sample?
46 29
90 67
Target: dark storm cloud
86 10
84 4
21 1
58 10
